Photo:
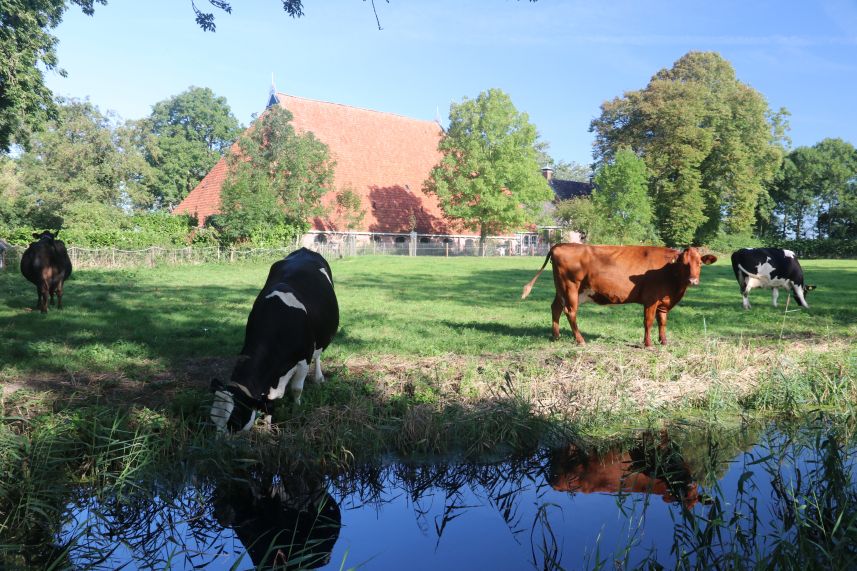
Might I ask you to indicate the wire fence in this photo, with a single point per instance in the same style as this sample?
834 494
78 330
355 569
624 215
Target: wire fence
328 245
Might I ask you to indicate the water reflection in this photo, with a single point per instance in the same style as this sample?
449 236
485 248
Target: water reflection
721 496
652 466
285 522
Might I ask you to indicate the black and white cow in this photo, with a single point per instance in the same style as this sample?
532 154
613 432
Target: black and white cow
769 268
293 320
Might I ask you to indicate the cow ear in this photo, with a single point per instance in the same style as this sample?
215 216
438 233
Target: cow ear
709 259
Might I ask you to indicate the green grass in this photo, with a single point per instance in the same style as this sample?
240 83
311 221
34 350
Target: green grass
145 321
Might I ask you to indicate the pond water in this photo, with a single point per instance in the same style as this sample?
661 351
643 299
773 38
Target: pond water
698 497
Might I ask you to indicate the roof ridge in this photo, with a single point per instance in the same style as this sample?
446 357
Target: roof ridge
429 121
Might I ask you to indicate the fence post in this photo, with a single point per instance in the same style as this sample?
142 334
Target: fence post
231 254
113 257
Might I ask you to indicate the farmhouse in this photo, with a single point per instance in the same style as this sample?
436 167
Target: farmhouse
382 157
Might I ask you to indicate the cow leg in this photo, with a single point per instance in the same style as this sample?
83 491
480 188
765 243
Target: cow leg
556 312
43 298
59 296
661 314
571 304
297 384
775 293
648 321
746 294
317 377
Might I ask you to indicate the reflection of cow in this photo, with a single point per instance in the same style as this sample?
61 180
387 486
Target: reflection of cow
293 320
645 469
284 523
46 264
655 277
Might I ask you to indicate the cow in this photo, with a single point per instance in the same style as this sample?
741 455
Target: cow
46 264
284 521
649 468
652 276
293 319
769 268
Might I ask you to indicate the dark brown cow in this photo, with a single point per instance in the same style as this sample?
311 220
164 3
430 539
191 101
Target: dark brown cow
652 276
46 264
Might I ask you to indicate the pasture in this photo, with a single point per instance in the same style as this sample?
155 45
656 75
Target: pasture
142 323
427 330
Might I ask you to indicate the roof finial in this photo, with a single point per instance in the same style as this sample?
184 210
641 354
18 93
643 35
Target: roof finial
272 97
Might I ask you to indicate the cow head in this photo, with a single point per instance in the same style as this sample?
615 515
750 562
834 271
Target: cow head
801 292
690 263
233 409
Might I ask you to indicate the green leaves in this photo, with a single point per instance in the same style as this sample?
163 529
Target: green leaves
710 142
276 178
488 178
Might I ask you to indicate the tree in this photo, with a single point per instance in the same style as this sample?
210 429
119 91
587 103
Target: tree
710 142
82 156
621 196
348 212
27 47
816 187
275 183
189 132
488 177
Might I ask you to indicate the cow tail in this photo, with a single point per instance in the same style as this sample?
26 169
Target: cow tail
529 286
756 276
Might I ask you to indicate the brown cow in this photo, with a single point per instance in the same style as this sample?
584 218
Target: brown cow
641 470
46 264
652 276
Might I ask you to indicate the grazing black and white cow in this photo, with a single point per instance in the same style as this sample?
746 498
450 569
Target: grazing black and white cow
293 320
771 268
46 264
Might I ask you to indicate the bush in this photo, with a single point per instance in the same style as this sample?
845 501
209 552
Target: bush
824 248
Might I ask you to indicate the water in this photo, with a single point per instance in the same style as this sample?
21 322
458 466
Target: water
686 496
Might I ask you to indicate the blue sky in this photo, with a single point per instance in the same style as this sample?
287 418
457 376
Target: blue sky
558 60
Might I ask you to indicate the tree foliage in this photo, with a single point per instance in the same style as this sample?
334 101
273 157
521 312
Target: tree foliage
710 142
275 183
562 170
621 198
815 192
81 156
183 138
27 49
488 177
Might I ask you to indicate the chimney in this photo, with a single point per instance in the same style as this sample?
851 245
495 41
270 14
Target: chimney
547 172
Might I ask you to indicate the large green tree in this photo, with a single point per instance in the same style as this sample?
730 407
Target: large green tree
81 156
815 192
189 132
488 177
711 144
621 196
27 49
275 183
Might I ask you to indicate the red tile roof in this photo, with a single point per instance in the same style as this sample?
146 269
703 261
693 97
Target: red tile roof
384 158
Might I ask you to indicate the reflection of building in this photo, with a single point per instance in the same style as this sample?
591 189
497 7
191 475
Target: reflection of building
645 469
285 523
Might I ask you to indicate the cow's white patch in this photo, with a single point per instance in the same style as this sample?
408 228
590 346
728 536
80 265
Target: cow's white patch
788 254
221 409
288 298
294 377
249 425
322 270
317 377
799 296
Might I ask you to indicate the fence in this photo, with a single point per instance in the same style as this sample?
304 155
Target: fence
329 245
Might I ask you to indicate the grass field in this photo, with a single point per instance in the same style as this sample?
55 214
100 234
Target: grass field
141 323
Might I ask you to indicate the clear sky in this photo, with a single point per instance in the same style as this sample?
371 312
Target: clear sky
558 60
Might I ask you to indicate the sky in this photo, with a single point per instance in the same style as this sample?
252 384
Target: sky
558 60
